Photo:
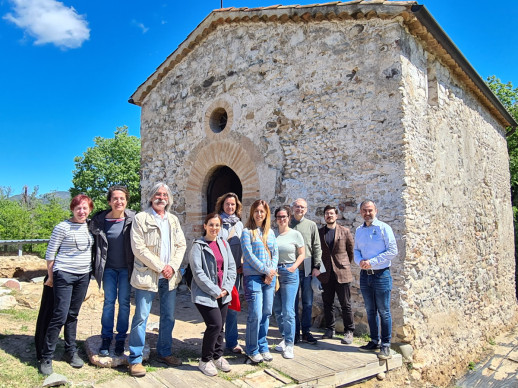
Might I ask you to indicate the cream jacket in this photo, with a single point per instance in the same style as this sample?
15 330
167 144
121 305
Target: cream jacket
145 243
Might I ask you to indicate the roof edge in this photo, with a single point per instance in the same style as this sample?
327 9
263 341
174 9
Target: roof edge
416 17
427 20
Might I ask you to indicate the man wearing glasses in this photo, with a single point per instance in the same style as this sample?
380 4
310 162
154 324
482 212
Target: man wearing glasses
158 243
311 267
337 255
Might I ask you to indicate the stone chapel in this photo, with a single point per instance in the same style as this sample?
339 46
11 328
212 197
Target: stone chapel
336 103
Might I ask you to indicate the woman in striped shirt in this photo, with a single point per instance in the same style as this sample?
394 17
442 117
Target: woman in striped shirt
69 263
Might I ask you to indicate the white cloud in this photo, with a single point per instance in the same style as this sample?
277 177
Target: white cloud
141 26
50 21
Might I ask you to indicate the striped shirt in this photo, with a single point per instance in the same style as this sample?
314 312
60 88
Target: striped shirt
256 259
70 247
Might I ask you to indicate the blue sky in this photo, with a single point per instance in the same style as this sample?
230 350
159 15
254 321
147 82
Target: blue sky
68 69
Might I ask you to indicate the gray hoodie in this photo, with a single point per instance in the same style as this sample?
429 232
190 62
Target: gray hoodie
204 287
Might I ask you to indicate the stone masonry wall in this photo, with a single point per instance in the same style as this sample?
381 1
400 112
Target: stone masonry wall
318 103
459 264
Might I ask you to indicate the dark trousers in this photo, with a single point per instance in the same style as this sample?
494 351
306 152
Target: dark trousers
214 318
69 294
343 291
44 317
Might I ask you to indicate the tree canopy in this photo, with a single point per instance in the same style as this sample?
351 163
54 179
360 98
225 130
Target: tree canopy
112 161
30 217
508 95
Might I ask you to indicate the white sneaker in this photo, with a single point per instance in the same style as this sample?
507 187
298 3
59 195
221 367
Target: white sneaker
288 352
256 358
267 356
222 364
208 368
280 347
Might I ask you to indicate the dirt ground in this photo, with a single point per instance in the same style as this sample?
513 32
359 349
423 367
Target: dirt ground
17 335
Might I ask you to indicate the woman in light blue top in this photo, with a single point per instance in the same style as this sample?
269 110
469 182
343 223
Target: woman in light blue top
260 257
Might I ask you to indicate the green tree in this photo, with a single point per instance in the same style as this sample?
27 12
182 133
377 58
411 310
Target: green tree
509 98
113 161
44 217
30 217
15 220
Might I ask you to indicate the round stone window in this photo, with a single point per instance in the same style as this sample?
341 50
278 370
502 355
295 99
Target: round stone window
218 120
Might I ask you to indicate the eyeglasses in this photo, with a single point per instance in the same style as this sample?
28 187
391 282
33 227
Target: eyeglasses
299 207
281 217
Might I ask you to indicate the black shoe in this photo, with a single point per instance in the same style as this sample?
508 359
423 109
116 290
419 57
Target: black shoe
104 350
73 359
119 348
297 338
370 347
384 353
307 337
329 334
46 367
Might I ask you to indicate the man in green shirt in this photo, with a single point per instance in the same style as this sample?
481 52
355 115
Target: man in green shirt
311 267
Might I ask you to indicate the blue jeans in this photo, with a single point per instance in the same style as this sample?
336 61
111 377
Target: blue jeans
231 333
69 294
307 304
116 286
376 295
284 302
259 297
143 302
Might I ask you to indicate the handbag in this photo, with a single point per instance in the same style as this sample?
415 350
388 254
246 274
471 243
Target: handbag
235 303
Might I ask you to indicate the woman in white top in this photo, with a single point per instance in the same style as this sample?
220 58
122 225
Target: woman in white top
291 255
69 263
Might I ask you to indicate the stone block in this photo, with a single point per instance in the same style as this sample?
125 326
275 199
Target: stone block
92 345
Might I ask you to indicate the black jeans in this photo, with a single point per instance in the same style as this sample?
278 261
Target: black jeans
343 291
214 318
69 293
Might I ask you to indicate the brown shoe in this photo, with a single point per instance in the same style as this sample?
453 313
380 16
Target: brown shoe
137 370
170 360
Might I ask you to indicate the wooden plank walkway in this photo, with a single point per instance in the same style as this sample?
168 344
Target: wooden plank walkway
328 363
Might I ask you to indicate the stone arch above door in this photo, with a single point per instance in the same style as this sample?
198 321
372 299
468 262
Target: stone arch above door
204 161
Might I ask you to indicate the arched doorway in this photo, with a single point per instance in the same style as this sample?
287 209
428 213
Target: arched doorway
222 181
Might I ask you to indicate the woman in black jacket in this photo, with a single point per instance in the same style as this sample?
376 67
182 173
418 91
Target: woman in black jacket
113 264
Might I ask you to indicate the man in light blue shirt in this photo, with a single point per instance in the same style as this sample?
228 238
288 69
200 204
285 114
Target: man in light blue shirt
374 248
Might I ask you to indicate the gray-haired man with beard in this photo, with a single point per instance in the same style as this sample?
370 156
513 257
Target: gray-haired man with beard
158 243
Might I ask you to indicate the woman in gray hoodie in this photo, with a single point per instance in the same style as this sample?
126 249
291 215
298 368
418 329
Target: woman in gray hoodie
214 273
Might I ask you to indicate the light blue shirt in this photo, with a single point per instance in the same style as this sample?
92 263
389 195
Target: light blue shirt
375 243
256 259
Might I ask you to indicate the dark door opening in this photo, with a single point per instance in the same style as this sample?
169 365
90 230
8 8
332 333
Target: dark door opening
222 181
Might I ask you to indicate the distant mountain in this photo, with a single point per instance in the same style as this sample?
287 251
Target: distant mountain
64 195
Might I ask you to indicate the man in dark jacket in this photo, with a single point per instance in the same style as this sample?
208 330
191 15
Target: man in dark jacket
337 254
